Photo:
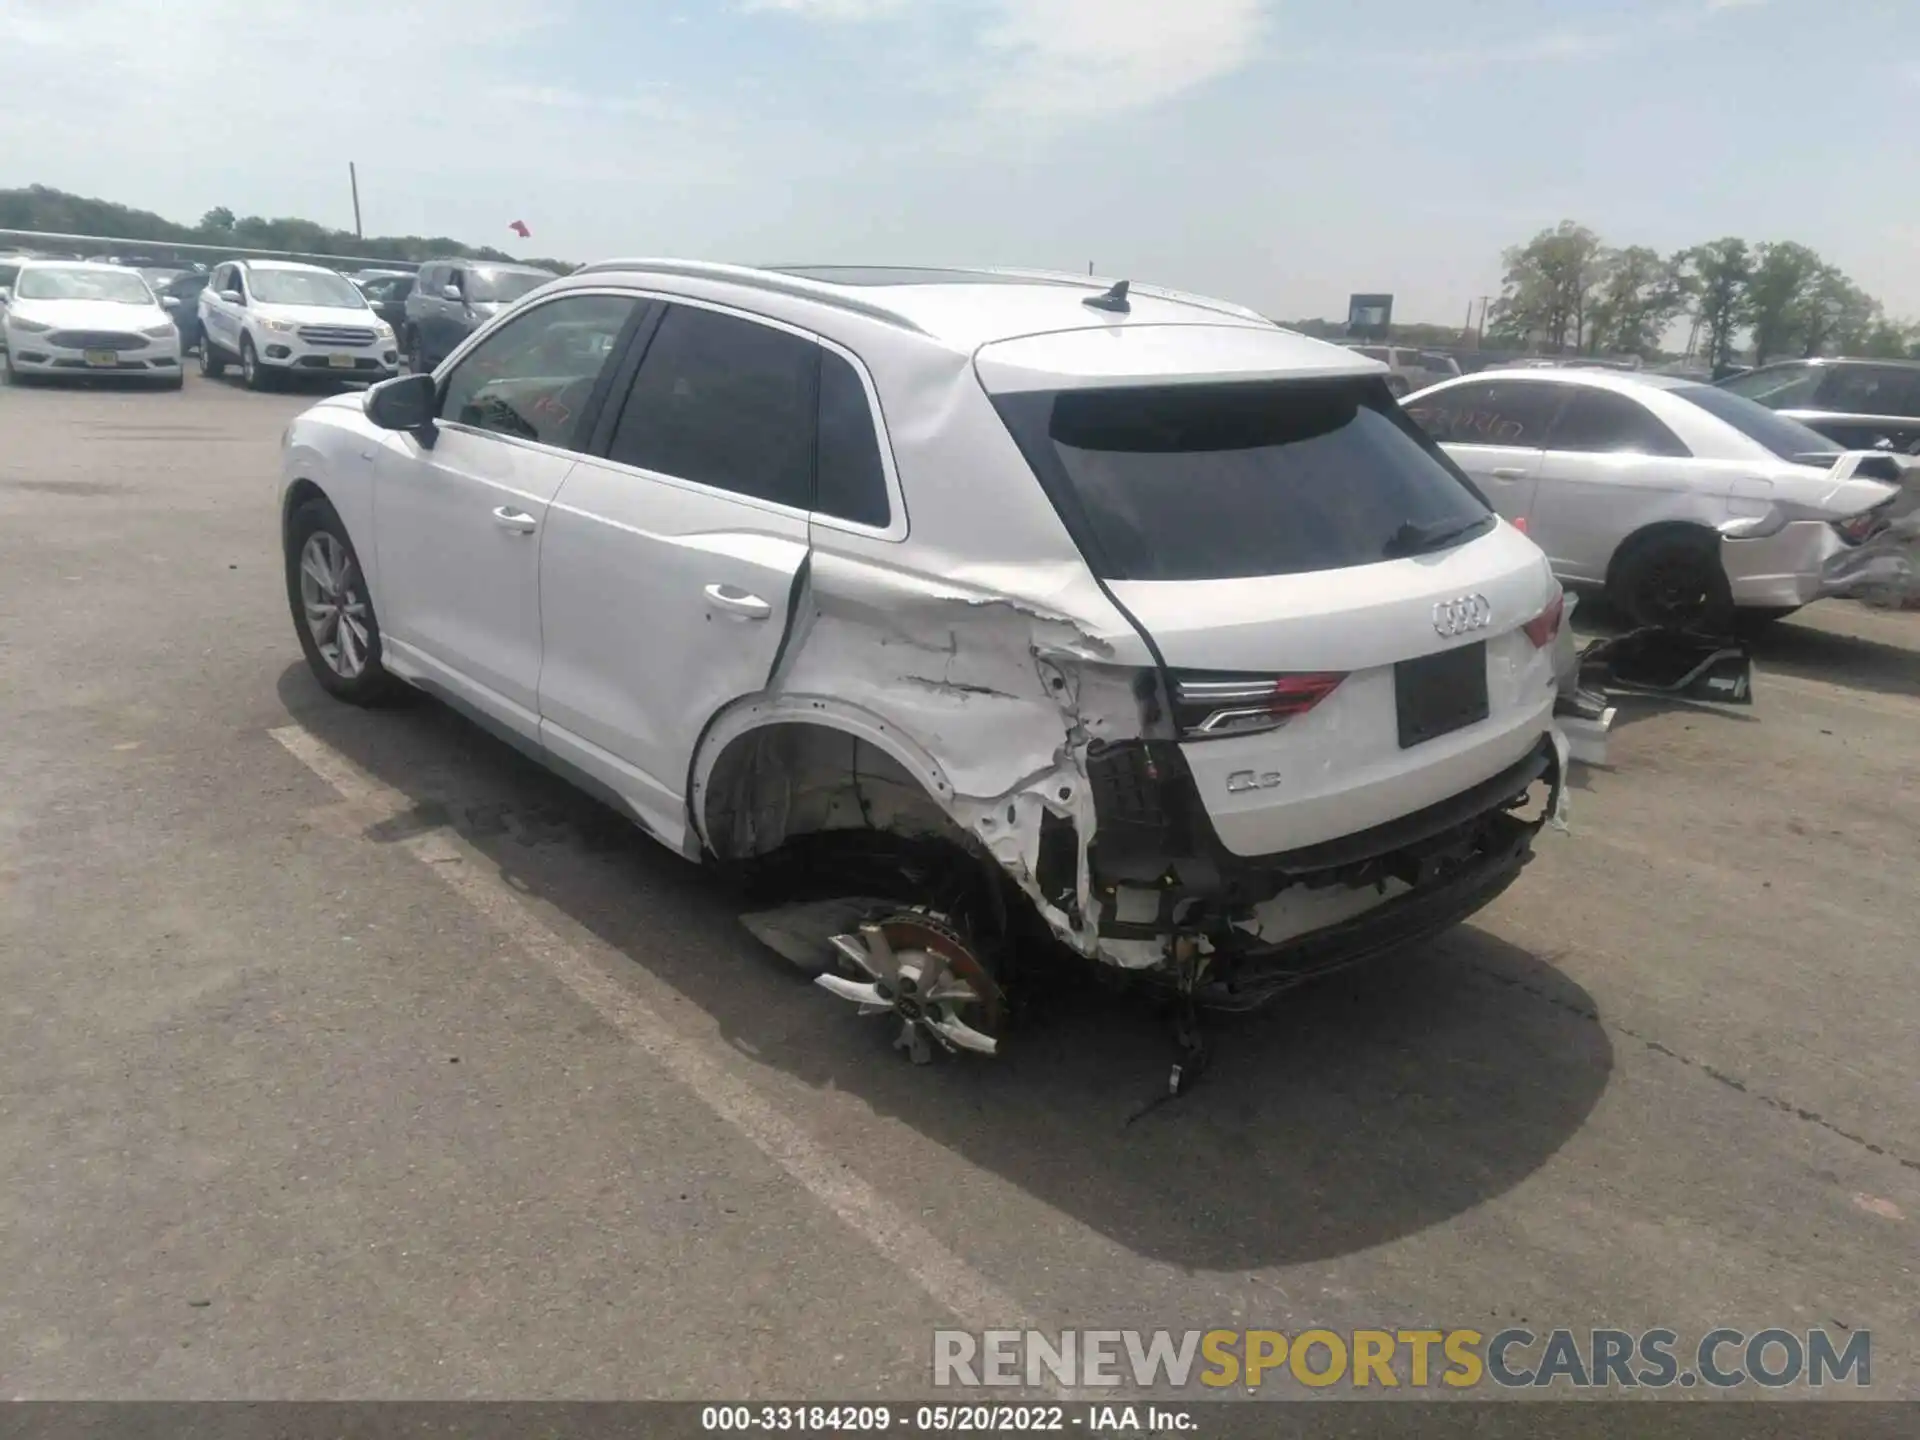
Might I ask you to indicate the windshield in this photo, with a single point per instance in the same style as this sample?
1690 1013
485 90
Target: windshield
305 287
120 287
1215 482
502 285
1778 387
1788 439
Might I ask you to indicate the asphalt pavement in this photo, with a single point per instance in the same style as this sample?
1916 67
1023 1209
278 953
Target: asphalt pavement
348 1054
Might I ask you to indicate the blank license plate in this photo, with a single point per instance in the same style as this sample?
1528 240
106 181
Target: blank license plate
102 359
1438 694
340 362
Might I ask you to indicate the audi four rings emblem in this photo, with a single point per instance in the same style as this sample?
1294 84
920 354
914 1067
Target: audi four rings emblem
1463 615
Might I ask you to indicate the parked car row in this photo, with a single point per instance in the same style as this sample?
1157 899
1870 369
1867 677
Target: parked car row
278 320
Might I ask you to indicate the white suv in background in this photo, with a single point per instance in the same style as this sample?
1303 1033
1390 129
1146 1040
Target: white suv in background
1018 603
276 318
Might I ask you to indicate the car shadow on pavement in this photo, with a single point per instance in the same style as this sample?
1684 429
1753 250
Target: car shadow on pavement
1356 1111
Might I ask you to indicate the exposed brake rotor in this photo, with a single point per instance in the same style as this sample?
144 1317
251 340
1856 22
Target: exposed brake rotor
920 968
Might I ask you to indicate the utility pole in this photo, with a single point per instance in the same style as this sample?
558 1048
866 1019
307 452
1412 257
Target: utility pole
353 179
1485 301
1089 267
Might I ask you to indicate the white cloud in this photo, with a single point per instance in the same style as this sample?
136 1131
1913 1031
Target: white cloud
1068 59
1554 45
830 9
279 97
1063 60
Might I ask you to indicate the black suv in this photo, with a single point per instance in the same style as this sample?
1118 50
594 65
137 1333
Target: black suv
453 298
1861 404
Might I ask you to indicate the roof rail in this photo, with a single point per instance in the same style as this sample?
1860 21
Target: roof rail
1157 292
767 280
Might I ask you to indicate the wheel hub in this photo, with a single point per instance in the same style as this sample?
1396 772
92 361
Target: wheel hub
918 967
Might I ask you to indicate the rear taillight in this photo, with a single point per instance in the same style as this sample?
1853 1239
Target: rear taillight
1856 528
1544 628
1208 707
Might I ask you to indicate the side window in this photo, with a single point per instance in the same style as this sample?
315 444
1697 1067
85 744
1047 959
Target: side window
457 278
1490 412
1871 390
1600 422
724 402
532 378
851 481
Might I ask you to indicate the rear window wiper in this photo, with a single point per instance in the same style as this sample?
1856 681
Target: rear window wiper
1412 539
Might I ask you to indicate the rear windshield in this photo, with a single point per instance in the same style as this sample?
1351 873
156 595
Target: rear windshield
502 285
1788 439
1217 482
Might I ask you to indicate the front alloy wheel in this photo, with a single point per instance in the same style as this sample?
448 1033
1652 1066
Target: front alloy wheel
335 605
332 608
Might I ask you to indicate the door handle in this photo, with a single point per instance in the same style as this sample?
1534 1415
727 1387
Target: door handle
734 601
517 521
1509 472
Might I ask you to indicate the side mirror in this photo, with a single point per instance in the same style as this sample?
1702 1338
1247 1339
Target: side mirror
402 403
233 297
451 292
170 302
6 294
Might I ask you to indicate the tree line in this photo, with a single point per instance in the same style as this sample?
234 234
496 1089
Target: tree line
1566 291
40 207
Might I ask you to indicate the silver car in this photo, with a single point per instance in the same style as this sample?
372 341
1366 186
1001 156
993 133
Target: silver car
1628 482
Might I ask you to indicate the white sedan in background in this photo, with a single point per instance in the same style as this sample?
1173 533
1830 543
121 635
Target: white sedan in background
1628 480
67 317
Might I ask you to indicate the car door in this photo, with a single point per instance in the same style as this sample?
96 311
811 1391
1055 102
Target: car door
1610 467
219 316
1494 430
671 556
458 512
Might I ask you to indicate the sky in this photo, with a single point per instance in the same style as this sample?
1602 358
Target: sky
1281 153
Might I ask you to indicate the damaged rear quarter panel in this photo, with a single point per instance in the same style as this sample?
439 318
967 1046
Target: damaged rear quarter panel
979 654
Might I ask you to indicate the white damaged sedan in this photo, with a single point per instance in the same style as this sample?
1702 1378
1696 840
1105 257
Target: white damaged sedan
69 318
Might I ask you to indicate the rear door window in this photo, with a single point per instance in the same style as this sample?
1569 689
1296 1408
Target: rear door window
851 483
1872 390
726 402
1515 413
1601 422
1214 482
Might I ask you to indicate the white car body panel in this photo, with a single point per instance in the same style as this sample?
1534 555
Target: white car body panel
648 632
1340 766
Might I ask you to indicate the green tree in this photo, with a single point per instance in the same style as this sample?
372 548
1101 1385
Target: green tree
1717 274
217 221
1638 296
1781 297
1548 288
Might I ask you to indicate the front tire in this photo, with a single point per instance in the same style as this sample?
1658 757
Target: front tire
1675 581
252 373
332 608
212 363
